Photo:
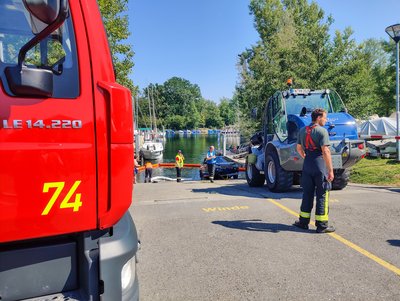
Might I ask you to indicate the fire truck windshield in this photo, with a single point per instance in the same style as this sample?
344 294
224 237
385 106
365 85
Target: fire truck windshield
57 52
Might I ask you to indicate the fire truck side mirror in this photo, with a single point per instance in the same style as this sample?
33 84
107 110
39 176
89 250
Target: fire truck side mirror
32 81
45 10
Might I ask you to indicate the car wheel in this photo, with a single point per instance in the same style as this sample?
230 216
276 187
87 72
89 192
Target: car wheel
253 176
278 179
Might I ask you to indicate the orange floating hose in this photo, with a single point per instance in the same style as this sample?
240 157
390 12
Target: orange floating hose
169 165
172 165
191 165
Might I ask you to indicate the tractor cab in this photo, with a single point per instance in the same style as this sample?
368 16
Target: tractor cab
288 111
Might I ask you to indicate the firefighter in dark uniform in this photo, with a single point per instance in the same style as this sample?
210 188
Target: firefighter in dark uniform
317 175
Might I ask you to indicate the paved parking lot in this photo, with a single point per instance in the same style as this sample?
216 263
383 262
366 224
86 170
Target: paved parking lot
227 241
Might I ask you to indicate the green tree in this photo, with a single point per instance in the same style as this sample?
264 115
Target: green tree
227 111
382 56
295 43
200 105
180 105
177 96
349 72
212 115
116 23
176 122
193 116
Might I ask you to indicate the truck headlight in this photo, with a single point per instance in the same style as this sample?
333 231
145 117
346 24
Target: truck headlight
128 273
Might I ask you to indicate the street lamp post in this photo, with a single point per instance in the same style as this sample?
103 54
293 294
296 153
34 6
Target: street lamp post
394 32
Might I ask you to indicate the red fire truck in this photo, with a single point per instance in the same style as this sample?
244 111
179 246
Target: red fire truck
66 157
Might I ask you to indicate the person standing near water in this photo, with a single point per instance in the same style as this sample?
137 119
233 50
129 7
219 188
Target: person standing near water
148 172
179 158
211 160
136 168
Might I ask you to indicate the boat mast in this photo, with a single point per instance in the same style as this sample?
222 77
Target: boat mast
154 110
148 97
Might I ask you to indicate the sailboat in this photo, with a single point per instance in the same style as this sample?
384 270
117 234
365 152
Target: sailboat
152 148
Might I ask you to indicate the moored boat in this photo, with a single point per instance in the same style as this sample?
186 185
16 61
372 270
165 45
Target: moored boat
152 150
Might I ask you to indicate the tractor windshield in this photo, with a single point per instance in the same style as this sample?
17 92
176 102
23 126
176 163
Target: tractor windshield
330 101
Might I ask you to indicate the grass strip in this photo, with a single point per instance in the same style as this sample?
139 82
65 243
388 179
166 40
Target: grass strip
376 171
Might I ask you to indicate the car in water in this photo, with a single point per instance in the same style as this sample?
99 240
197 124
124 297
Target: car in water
225 168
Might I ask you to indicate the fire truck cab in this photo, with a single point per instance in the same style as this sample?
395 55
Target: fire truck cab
66 157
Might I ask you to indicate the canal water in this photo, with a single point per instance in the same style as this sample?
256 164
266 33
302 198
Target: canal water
194 149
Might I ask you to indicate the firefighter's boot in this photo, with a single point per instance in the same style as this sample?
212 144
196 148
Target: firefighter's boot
302 223
323 227
328 229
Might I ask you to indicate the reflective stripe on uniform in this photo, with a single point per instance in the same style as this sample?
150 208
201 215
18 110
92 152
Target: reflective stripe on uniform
305 214
324 218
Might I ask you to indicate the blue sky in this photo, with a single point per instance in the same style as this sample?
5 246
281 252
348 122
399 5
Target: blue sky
200 40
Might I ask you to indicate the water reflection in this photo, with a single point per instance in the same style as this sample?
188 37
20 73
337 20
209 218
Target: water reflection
193 147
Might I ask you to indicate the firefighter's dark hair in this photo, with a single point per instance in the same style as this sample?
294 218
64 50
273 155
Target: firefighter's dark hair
317 113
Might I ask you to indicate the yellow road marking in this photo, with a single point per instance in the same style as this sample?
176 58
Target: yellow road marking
283 207
348 243
214 209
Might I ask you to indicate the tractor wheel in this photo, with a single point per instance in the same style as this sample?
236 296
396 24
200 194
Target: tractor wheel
341 179
278 179
253 176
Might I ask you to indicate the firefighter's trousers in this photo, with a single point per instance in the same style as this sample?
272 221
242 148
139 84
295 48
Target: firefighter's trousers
314 183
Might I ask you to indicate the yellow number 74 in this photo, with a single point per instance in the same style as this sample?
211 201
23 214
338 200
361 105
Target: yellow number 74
59 186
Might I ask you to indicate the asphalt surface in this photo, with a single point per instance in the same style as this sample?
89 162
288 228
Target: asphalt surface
227 241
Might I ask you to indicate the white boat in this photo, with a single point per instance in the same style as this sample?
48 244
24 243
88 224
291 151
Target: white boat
152 150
